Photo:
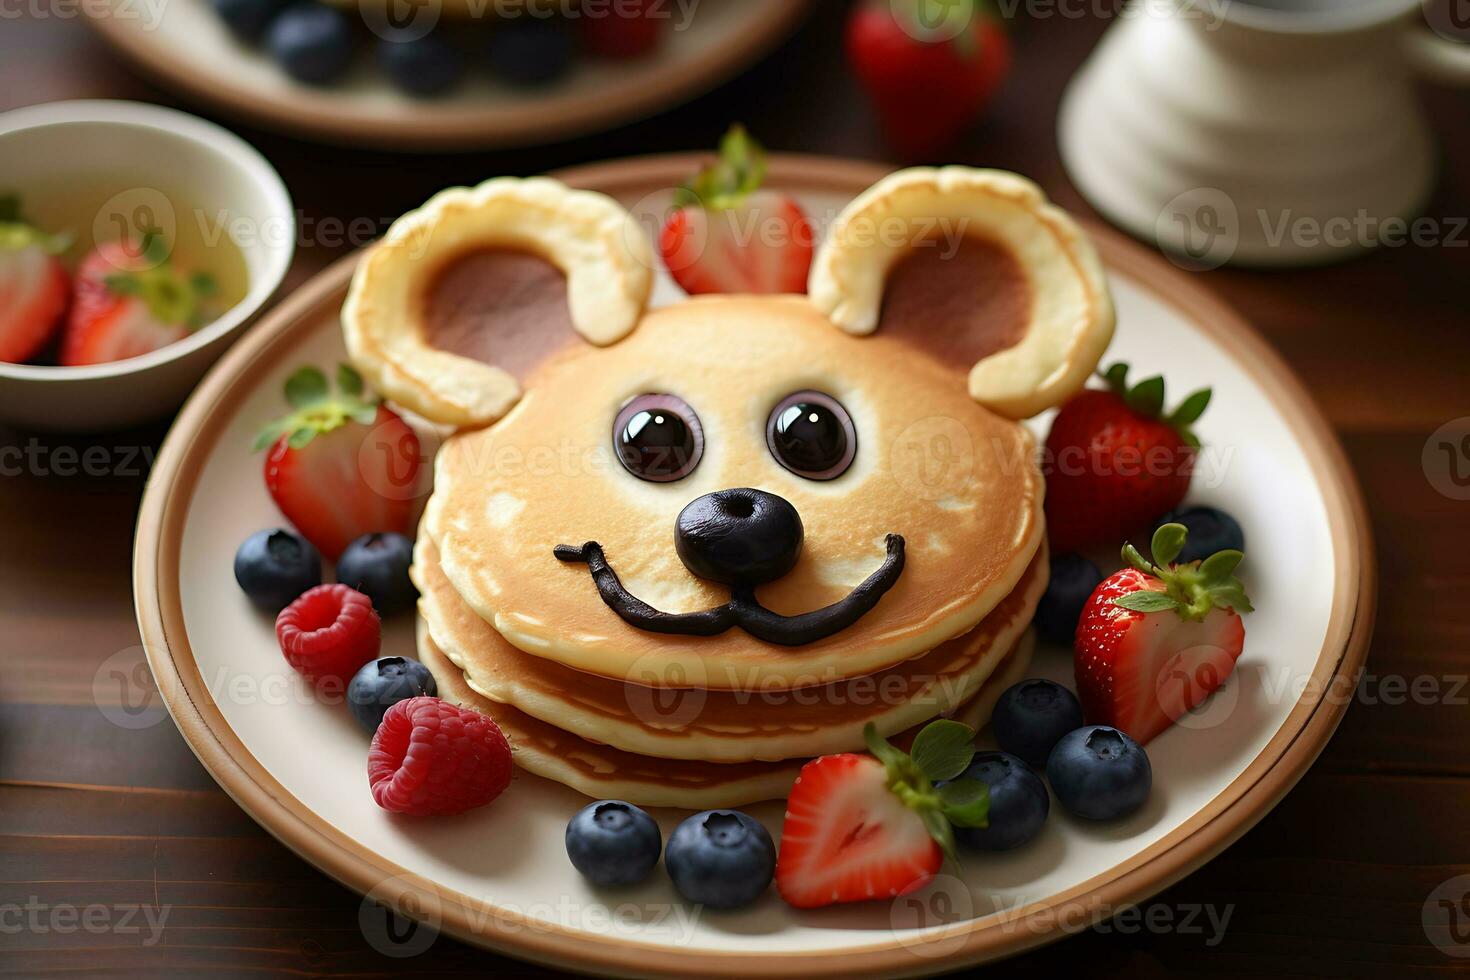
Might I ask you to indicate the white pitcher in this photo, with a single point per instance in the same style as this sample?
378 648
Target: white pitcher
1265 132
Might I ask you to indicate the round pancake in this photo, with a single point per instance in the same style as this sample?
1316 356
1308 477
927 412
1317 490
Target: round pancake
721 726
602 772
959 483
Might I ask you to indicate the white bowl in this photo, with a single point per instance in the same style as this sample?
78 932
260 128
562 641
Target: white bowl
225 182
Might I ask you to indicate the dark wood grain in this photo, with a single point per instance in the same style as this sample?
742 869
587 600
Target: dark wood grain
1331 883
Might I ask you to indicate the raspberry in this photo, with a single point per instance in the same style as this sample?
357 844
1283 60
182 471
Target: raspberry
329 632
430 757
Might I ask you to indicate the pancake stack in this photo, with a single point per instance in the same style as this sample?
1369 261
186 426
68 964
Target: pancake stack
700 722
943 307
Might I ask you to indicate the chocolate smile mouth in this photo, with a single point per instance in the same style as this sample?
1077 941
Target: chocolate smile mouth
743 609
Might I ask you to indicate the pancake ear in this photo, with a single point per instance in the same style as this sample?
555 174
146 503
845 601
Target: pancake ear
466 292
972 264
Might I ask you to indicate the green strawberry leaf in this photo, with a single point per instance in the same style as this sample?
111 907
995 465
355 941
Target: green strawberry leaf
306 387
1191 409
1219 568
940 829
268 435
1232 597
349 382
203 284
739 172
885 753
966 803
1147 602
1168 542
1147 397
1134 559
1117 377
154 248
943 749
1191 590
316 410
123 284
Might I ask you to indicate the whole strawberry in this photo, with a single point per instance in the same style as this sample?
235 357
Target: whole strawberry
131 300
861 827
726 235
628 29
1157 638
1116 462
929 66
34 286
340 466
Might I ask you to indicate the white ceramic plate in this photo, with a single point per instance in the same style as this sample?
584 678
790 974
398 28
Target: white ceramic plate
500 877
183 43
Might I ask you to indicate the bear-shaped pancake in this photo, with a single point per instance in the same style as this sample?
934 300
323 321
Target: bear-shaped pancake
734 492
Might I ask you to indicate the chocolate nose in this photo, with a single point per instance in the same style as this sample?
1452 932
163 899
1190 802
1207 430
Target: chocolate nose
739 537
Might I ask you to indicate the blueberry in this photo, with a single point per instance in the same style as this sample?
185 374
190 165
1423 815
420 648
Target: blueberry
275 567
720 858
1032 716
1019 803
613 843
248 19
422 66
739 537
530 51
1073 578
1099 773
381 684
1210 530
377 566
311 42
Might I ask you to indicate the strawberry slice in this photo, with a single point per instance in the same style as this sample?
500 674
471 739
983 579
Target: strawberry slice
131 300
340 466
1155 640
726 235
34 286
862 827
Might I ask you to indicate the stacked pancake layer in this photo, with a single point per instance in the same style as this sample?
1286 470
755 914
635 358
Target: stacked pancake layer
694 748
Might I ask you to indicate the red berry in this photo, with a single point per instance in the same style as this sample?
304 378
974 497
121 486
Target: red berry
34 293
729 236
630 29
904 65
848 838
1116 463
130 300
329 632
1154 641
341 466
430 757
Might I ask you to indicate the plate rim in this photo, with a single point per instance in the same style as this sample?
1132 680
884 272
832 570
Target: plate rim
426 126
1243 802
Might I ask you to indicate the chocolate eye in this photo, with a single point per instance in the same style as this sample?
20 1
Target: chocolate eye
658 438
812 435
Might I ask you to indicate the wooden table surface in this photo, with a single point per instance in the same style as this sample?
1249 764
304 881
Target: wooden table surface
104 824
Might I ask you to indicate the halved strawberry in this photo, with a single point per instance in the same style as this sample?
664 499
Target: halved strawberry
34 286
340 466
726 235
1155 640
131 300
861 827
